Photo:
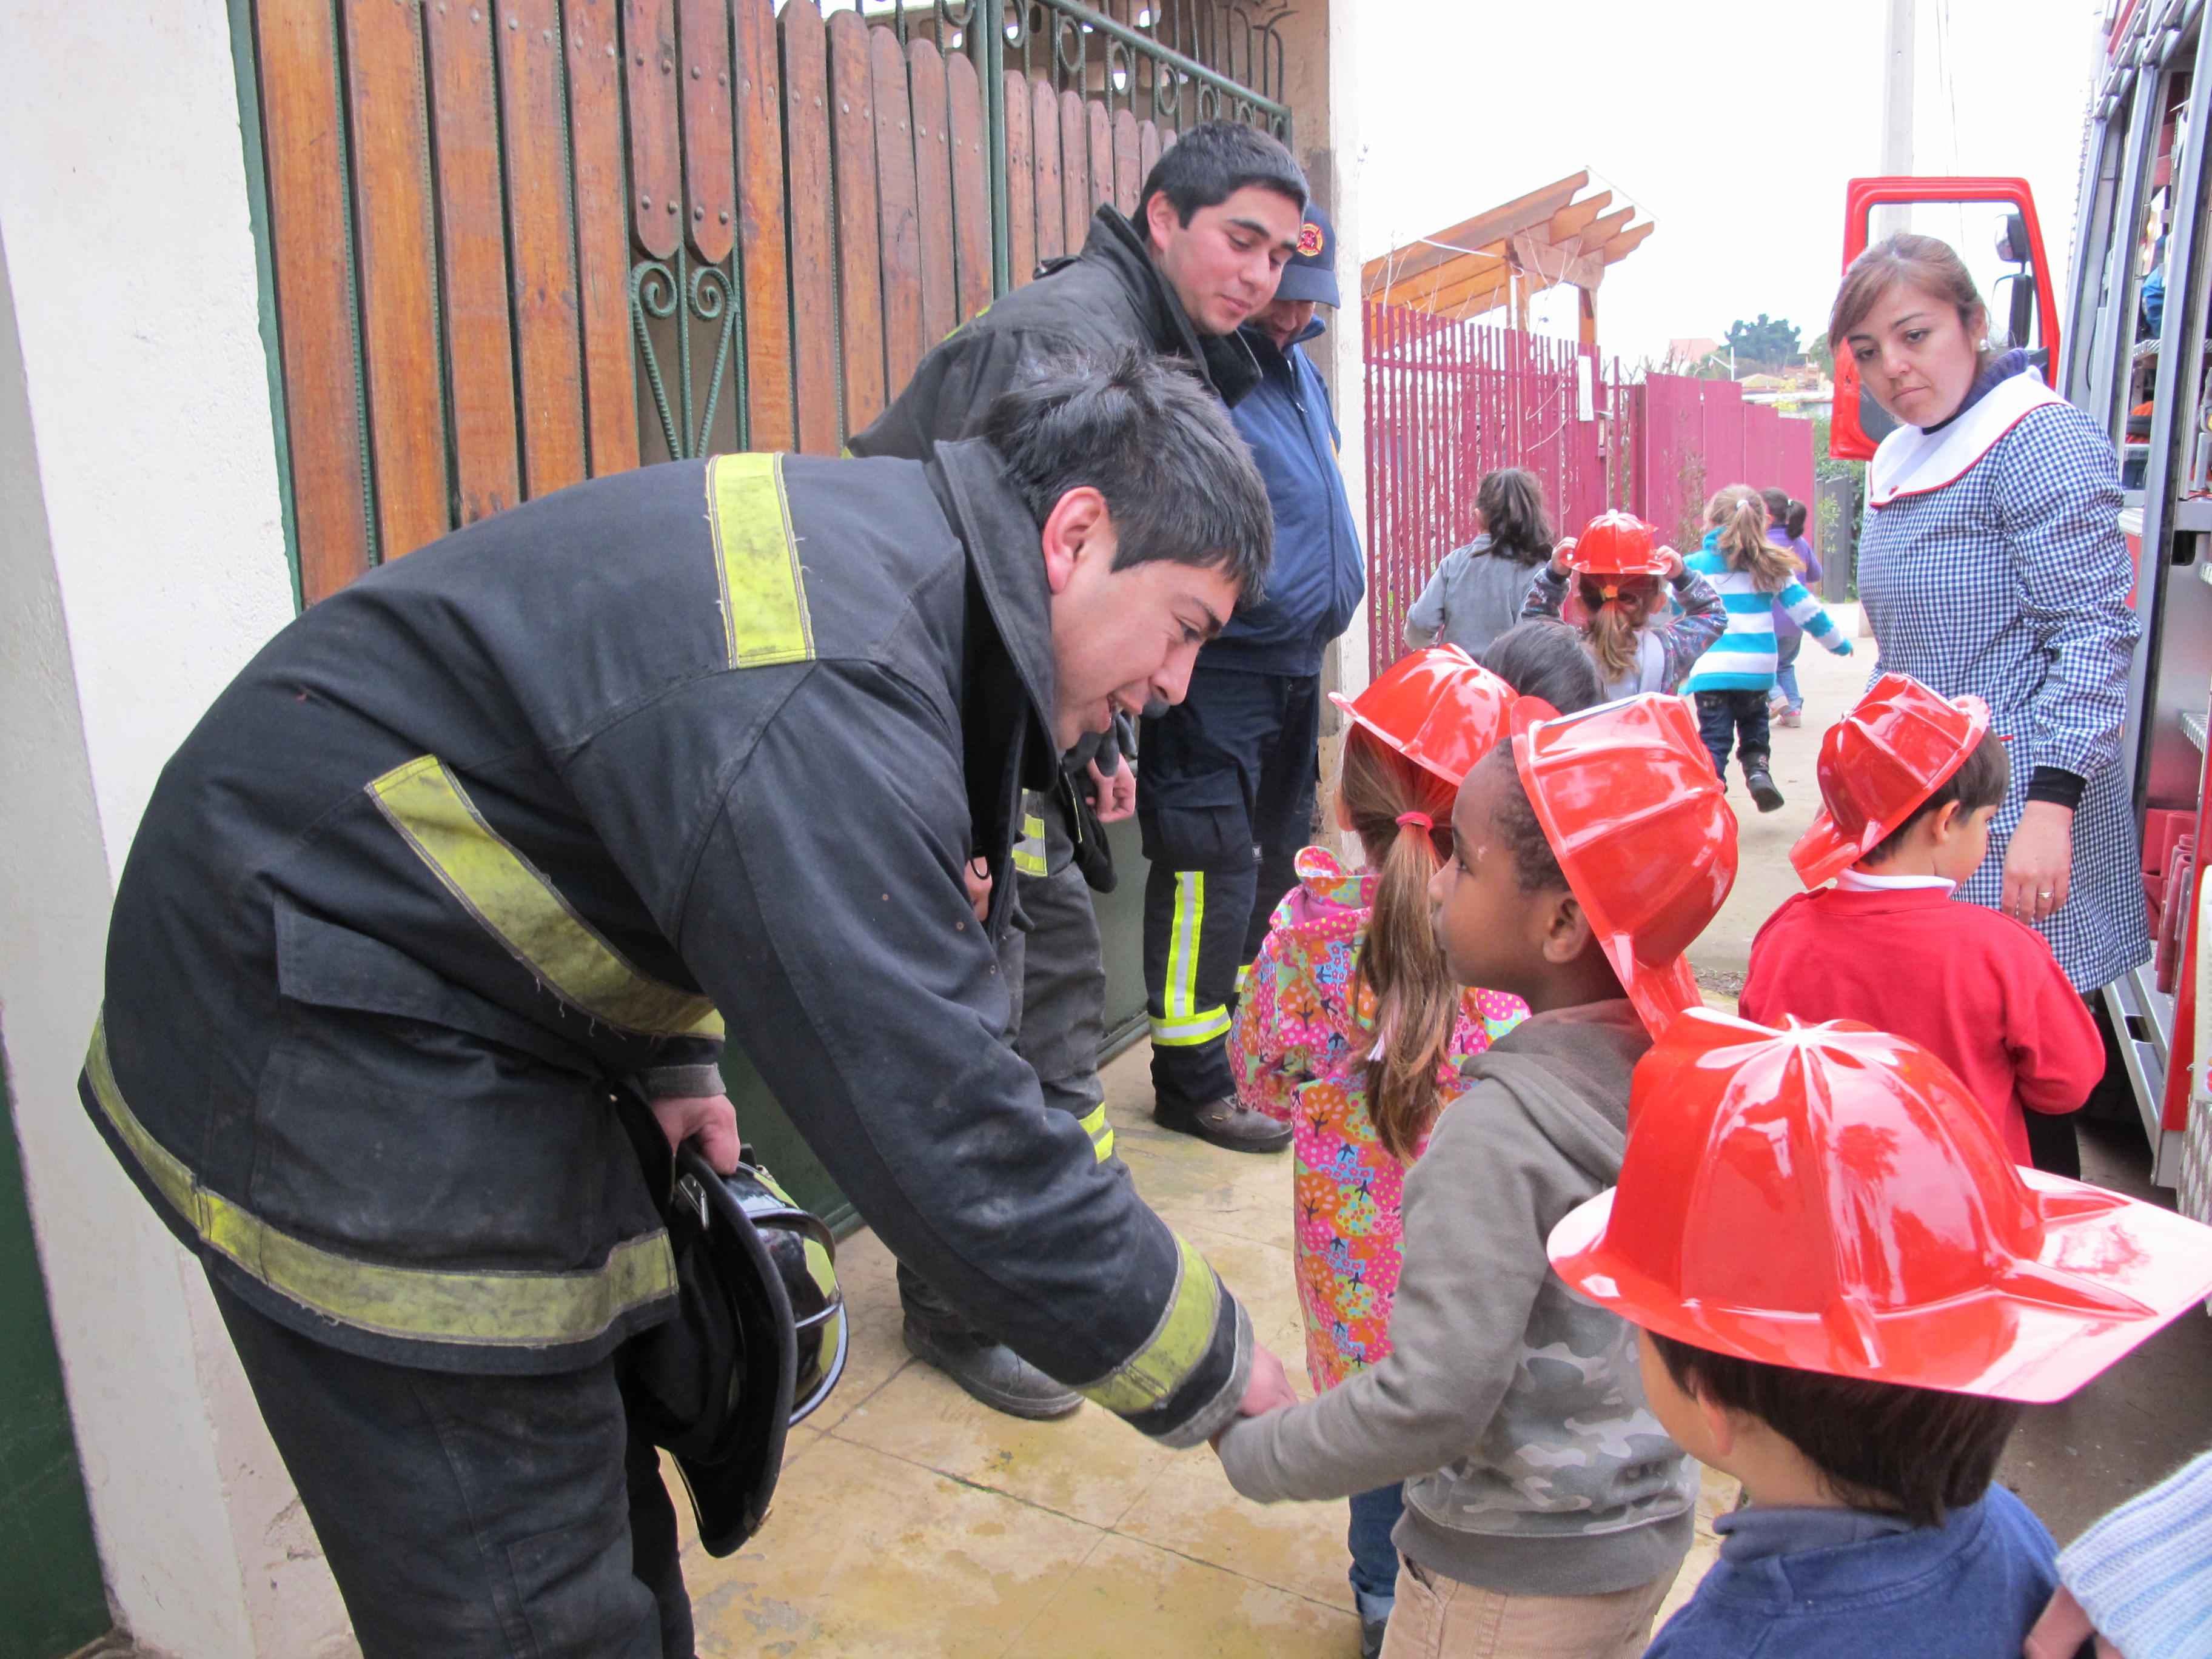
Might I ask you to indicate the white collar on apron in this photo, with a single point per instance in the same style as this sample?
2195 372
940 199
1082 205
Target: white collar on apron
1914 462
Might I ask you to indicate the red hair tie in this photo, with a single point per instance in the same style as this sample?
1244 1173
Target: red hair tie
1422 819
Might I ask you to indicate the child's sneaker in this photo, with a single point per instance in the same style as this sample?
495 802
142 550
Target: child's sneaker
1763 791
1791 717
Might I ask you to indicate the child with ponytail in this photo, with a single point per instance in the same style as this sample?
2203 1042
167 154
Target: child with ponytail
1732 680
1350 1019
1621 577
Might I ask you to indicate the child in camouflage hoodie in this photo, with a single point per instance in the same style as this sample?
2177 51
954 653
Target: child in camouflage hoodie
1547 1511
1303 1052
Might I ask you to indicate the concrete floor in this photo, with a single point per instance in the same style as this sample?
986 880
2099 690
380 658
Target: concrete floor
912 1521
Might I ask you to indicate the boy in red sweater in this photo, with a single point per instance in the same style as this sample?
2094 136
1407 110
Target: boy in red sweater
1909 783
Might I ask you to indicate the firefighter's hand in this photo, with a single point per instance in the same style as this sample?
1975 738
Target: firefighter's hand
710 1120
2038 860
977 874
2062 1629
1270 1387
1114 792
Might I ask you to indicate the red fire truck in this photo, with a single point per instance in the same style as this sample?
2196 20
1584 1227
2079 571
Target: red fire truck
2123 334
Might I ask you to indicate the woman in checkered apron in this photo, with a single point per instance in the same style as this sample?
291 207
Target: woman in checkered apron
1991 562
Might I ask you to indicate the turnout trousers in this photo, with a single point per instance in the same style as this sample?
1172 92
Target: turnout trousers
473 1516
1225 799
1059 1004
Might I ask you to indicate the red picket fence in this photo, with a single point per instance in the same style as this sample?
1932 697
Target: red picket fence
1447 402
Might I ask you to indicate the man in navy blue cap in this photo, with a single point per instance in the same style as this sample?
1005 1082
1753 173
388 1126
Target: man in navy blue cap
1226 796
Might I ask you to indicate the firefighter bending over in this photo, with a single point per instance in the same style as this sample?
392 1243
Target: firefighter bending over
457 884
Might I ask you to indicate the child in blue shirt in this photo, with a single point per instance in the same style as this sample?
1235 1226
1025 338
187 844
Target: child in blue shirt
1845 1290
1732 680
1888 1538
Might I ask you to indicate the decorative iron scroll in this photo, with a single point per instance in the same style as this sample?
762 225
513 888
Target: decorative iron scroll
705 294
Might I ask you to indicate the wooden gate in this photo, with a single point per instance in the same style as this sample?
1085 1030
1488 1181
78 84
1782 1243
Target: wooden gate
517 243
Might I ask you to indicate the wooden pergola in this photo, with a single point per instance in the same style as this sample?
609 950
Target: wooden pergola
1501 257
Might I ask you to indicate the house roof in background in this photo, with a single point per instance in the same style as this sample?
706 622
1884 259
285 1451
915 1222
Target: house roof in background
1548 236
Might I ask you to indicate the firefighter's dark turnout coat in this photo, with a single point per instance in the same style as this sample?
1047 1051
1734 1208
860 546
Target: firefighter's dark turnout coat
505 823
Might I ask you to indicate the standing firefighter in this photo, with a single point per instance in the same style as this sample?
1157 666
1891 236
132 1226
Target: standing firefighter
444 894
1217 220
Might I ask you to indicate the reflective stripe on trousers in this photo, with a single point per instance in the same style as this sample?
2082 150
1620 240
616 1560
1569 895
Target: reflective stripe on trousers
1182 1023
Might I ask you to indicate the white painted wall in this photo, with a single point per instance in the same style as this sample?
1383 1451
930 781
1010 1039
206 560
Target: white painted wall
142 561
1354 668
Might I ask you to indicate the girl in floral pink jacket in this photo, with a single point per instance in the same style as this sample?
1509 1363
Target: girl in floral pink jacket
1296 1048
1349 1025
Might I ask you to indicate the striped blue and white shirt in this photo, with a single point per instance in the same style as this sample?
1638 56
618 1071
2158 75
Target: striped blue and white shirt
1742 658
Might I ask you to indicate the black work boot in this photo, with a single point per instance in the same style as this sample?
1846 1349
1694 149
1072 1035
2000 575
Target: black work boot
990 1372
1761 783
1225 1122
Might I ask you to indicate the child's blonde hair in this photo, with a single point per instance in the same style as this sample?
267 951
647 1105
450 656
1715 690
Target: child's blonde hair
1614 621
1416 1001
1739 515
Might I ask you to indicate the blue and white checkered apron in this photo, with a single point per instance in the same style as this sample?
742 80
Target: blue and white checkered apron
2012 584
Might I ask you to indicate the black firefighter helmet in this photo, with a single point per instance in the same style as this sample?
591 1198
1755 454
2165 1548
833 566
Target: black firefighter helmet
757 1342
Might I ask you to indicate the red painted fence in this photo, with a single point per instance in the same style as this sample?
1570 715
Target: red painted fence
1447 402
1696 436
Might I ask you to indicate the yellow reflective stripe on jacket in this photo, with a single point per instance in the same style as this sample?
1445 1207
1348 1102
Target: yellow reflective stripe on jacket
1101 1132
1178 1343
764 617
477 1310
513 899
1030 851
1185 1025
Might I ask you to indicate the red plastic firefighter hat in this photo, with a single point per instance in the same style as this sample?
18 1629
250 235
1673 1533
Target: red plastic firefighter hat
1617 545
1830 1198
1878 763
1627 797
1438 707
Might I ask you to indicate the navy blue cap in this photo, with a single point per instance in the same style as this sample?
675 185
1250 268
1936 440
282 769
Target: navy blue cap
1312 272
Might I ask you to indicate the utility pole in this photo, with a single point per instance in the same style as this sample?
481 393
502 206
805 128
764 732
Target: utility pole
1897 83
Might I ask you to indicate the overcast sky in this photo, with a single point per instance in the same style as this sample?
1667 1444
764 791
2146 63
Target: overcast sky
1733 123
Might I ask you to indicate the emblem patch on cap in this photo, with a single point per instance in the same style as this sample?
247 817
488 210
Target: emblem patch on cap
1308 239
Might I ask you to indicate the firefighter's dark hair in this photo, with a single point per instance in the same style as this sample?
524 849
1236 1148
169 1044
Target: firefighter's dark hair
1541 658
1147 435
1981 781
1917 1453
1212 162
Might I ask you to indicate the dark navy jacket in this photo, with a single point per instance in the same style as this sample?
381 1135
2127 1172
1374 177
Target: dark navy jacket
1316 579
1803 1583
505 823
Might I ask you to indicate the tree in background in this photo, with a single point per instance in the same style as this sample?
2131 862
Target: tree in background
1770 342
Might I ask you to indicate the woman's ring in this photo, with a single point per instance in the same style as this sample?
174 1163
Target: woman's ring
2046 893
